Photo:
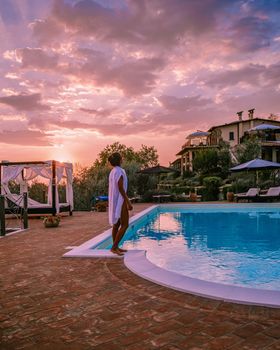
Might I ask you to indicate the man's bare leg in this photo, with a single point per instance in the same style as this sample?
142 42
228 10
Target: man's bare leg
115 230
121 231
114 234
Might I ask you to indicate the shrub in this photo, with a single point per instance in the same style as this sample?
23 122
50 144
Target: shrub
242 184
211 191
181 189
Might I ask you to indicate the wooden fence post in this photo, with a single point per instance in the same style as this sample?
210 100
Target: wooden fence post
2 216
25 211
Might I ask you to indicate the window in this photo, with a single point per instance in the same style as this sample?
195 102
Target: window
231 135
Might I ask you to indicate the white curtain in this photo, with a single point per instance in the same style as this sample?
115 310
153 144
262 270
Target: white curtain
59 176
11 172
63 170
69 186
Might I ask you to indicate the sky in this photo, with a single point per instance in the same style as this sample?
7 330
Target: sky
77 75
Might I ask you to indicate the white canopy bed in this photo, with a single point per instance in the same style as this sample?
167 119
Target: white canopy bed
23 172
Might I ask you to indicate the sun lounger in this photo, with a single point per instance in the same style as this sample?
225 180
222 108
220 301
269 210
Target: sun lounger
271 194
134 199
252 194
162 197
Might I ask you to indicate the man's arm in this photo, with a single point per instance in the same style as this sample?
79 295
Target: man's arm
123 193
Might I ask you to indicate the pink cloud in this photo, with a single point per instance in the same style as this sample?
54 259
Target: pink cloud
47 31
99 113
174 103
24 138
253 74
158 22
101 65
265 101
24 102
36 58
133 77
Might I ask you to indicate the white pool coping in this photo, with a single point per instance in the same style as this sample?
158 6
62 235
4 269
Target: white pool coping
137 262
86 249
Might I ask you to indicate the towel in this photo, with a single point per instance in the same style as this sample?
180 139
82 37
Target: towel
115 198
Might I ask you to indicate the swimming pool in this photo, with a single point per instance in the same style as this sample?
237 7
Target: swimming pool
221 249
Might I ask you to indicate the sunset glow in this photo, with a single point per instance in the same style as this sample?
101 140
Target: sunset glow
77 75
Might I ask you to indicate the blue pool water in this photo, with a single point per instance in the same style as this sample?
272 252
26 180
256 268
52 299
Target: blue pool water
239 247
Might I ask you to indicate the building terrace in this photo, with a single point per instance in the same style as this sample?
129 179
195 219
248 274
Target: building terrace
234 133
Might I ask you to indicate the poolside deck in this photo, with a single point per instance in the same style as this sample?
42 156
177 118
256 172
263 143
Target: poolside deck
49 302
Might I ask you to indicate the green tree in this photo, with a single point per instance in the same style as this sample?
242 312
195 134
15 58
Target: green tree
211 191
248 150
127 153
206 161
224 159
93 181
38 191
146 156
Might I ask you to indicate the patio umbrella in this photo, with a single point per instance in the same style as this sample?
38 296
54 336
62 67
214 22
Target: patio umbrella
256 165
157 170
265 127
198 134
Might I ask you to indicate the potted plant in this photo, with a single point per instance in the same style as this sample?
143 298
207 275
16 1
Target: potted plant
230 196
101 206
51 221
193 197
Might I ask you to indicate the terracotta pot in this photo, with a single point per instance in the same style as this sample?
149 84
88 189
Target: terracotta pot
230 196
193 197
102 206
52 222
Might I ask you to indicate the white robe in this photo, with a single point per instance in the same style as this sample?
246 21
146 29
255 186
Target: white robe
115 198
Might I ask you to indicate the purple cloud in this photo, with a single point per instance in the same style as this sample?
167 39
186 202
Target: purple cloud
36 58
101 66
99 113
252 74
24 138
133 77
251 33
181 104
47 31
24 102
154 23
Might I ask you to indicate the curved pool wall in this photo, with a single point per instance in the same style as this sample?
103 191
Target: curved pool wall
137 262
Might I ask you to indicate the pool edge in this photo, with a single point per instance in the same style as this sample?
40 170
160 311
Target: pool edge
86 249
137 262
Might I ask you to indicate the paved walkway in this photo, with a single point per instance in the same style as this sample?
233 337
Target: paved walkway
49 302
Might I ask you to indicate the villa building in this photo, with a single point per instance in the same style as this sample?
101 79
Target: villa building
234 133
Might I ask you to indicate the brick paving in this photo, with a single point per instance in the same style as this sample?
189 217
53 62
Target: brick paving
49 302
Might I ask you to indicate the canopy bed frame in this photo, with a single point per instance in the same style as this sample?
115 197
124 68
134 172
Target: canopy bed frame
22 172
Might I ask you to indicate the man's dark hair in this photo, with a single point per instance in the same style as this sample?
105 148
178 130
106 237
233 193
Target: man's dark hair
115 159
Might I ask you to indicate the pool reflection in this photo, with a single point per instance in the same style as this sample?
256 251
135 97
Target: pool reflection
228 247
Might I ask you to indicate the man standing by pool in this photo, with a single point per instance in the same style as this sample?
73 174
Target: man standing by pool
119 203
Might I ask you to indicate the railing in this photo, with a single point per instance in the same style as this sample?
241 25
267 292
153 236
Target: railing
2 216
23 214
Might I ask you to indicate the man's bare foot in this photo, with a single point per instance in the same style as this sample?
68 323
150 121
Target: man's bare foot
116 251
122 250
